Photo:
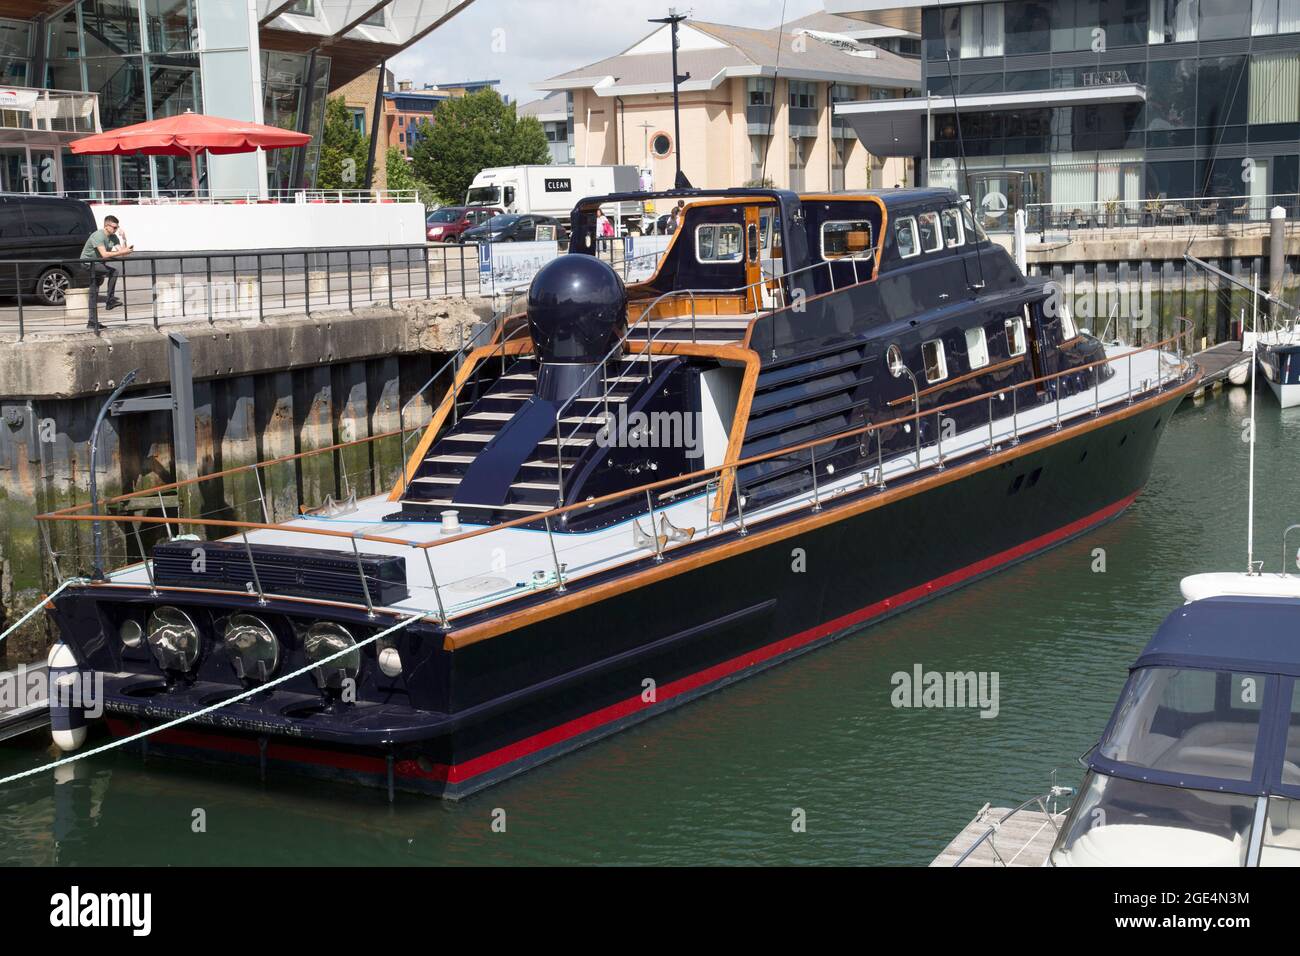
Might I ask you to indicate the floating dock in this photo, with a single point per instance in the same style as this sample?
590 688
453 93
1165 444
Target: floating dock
33 715
1019 838
1217 363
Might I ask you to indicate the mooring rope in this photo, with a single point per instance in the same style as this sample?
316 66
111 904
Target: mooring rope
40 605
260 688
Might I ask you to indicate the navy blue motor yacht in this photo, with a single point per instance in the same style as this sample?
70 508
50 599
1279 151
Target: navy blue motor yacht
600 518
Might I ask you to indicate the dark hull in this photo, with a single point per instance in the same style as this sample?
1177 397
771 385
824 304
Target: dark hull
550 682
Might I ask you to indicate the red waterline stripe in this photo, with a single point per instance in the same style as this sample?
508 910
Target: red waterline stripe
461 772
562 732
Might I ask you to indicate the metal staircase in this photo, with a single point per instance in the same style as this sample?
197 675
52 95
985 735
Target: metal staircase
536 486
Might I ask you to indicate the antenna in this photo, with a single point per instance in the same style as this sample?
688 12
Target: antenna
1250 493
776 73
961 145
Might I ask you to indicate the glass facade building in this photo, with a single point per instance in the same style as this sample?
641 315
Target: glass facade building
148 59
1091 103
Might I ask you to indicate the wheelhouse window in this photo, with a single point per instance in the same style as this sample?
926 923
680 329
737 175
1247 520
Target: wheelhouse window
843 238
931 235
936 363
719 242
1016 344
905 236
953 233
1069 329
977 347
974 231
1187 721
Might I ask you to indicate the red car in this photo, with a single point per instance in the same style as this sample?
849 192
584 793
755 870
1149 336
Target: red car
448 223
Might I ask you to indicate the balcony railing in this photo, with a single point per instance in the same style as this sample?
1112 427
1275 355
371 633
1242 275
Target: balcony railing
51 111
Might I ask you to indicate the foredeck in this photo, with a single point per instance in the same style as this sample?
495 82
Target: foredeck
475 571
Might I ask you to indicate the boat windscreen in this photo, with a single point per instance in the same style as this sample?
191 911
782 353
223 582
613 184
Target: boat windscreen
1186 721
1120 822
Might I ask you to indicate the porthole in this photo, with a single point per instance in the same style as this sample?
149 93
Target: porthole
661 145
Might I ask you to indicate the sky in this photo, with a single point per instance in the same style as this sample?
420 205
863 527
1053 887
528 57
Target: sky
521 42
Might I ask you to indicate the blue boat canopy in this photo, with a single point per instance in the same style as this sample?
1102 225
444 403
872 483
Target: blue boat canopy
1257 634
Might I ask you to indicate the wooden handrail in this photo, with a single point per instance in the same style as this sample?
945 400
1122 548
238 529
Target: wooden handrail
696 476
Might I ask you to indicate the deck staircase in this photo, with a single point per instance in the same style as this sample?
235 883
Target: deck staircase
437 484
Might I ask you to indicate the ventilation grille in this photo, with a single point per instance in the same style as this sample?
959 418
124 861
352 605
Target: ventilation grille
306 572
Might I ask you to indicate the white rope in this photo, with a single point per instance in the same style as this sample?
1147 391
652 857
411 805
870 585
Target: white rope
260 688
40 606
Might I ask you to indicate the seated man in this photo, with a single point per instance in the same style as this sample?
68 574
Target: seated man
102 245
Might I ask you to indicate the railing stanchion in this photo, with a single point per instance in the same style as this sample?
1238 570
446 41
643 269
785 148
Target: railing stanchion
654 531
148 569
880 458
162 506
153 288
817 502
740 504
388 255
252 566
22 325
990 424
1129 393
361 572
938 440
555 556
1096 390
1056 425
1015 416
437 593
49 549
257 474
306 282
351 307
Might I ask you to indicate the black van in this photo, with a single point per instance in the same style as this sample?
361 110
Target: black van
46 235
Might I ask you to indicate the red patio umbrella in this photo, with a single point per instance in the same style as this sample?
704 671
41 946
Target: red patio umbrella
188 134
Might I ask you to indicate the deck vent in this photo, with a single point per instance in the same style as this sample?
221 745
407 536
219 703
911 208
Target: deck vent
304 572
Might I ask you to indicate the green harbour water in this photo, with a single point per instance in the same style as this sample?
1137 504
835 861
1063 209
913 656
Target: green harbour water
722 779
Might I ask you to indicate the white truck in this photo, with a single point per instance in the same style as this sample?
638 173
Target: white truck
555 190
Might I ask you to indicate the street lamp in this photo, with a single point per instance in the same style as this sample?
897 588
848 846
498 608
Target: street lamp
674 18
898 369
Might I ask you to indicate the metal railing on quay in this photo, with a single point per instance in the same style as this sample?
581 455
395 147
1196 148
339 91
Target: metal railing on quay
159 288
1197 215
868 481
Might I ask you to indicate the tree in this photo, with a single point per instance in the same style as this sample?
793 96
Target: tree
344 152
471 133
402 177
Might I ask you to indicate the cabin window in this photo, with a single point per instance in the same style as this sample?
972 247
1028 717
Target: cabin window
977 347
972 227
953 233
719 242
936 363
847 239
1068 329
931 236
905 236
1016 344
